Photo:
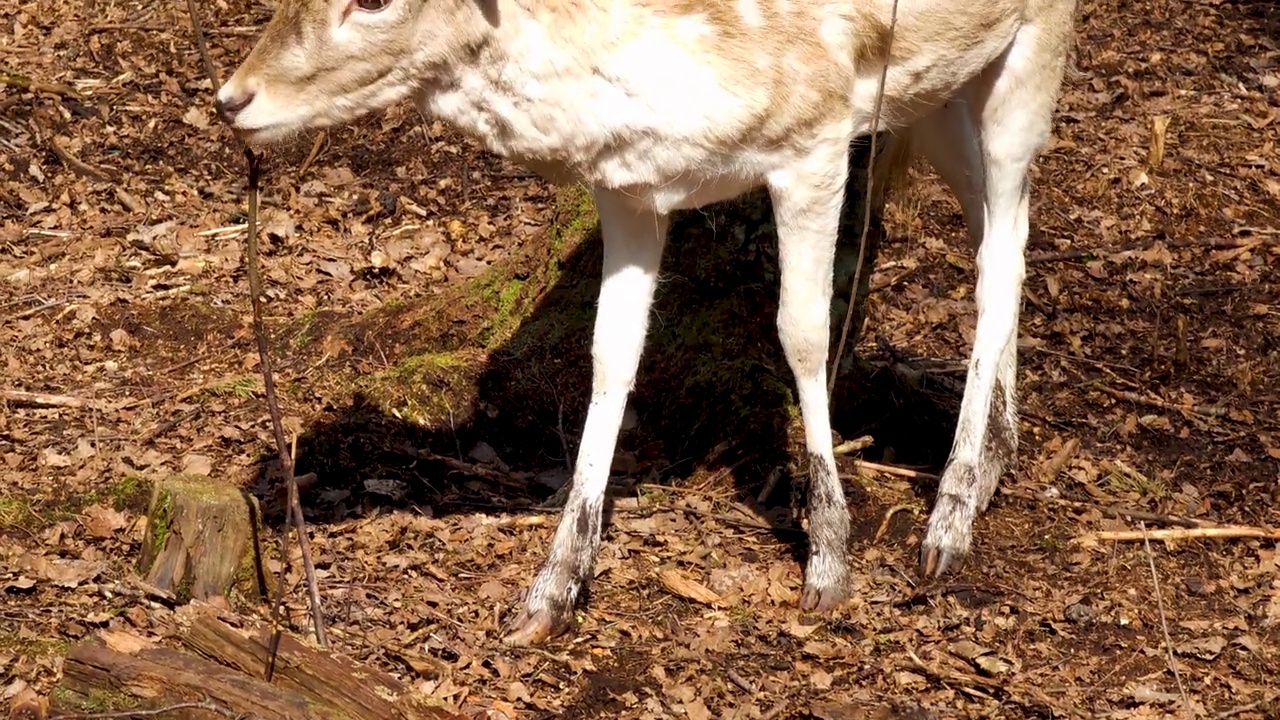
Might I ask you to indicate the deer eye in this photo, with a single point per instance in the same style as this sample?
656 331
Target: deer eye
372 6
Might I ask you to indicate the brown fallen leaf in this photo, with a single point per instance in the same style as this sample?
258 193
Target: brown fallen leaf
196 464
101 521
679 584
61 572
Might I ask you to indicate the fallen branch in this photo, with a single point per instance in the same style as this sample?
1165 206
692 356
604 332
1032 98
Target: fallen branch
76 165
854 445
22 82
1207 410
736 678
472 469
1116 512
1181 533
953 676
1242 709
894 470
315 150
728 519
33 399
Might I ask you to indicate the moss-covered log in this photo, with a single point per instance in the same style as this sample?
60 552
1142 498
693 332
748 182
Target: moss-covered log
221 667
202 540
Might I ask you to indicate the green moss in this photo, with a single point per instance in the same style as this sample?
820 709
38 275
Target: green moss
241 387
418 389
158 525
424 366
1125 479
97 701
509 301
183 591
306 333
576 204
129 493
12 512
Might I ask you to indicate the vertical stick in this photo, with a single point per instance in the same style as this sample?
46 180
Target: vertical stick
294 511
866 209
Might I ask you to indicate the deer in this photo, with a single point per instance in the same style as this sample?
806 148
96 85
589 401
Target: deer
658 106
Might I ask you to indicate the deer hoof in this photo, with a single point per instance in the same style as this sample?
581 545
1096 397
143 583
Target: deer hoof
535 628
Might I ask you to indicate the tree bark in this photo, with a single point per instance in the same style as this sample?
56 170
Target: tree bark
202 541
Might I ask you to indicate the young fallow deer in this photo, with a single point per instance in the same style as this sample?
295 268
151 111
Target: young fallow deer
660 105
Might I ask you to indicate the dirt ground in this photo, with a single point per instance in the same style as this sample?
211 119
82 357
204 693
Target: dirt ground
426 296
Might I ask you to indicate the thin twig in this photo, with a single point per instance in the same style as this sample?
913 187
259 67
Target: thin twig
468 468
1111 511
770 482
952 676
1207 410
34 399
294 511
1181 533
1241 709
1164 623
746 685
315 150
728 519
39 309
203 48
894 470
22 82
888 516
304 545
867 198
76 165
775 711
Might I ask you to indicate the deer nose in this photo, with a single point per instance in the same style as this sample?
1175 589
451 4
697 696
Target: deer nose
231 105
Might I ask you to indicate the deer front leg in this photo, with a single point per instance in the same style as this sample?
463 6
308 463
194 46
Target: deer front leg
633 243
807 199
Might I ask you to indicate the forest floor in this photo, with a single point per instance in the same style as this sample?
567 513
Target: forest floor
425 295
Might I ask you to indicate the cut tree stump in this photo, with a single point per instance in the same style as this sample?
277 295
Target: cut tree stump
222 667
202 541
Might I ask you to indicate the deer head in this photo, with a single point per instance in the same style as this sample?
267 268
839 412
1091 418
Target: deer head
327 62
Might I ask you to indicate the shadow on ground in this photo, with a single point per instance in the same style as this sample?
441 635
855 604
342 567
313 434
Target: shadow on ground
506 362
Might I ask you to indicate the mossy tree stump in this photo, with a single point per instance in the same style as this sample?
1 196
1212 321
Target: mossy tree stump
202 540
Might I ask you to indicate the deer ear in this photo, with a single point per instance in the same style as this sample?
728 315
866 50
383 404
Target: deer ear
489 8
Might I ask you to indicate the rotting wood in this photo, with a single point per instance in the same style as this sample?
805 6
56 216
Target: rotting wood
222 665
336 682
201 540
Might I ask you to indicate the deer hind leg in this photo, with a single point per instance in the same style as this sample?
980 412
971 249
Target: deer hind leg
807 198
948 138
1012 103
633 243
